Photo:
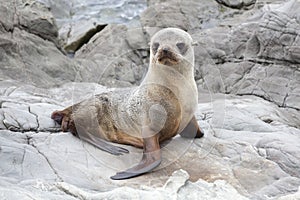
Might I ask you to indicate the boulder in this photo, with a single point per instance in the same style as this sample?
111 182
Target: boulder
28 46
117 56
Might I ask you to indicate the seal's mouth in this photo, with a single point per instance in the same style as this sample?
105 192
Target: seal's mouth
167 57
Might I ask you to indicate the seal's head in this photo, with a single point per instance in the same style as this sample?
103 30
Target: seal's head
171 46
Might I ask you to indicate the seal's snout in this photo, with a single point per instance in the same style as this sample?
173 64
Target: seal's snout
166 56
166 52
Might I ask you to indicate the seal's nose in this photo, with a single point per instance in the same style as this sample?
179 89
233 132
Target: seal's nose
166 49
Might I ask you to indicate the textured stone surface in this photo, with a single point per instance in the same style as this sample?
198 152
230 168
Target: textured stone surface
79 20
28 45
250 143
118 56
258 57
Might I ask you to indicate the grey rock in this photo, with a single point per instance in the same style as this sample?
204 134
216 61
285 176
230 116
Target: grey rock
36 18
291 196
239 4
260 56
43 111
79 33
279 188
188 15
20 161
176 181
216 190
256 159
119 61
16 119
31 16
282 154
29 58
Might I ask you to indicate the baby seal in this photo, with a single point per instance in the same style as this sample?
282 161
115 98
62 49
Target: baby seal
145 116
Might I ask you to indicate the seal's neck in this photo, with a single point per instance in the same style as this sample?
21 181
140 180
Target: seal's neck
171 76
183 69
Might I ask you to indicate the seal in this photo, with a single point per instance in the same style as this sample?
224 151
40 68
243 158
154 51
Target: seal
145 116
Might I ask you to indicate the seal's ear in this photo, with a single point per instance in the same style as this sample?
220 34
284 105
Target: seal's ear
195 43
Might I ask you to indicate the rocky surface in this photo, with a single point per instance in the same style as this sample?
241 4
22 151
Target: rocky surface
250 144
28 50
260 57
248 74
79 20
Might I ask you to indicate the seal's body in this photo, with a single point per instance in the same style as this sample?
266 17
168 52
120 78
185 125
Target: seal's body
161 107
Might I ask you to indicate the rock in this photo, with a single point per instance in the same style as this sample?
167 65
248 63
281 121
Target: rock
187 15
176 181
290 196
28 57
216 190
120 61
19 120
62 10
20 161
254 57
239 4
36 18
43 111
31 16
279 188
255 159
79 33
282 154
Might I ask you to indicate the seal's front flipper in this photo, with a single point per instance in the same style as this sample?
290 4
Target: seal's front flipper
136 171
192 130
151 159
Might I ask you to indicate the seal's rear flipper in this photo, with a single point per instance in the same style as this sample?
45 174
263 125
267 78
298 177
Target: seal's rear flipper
105 146
64 119
101 143
57 116
192 130
151 159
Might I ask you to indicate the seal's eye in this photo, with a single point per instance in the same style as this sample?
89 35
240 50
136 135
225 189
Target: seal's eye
182 47
155 47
